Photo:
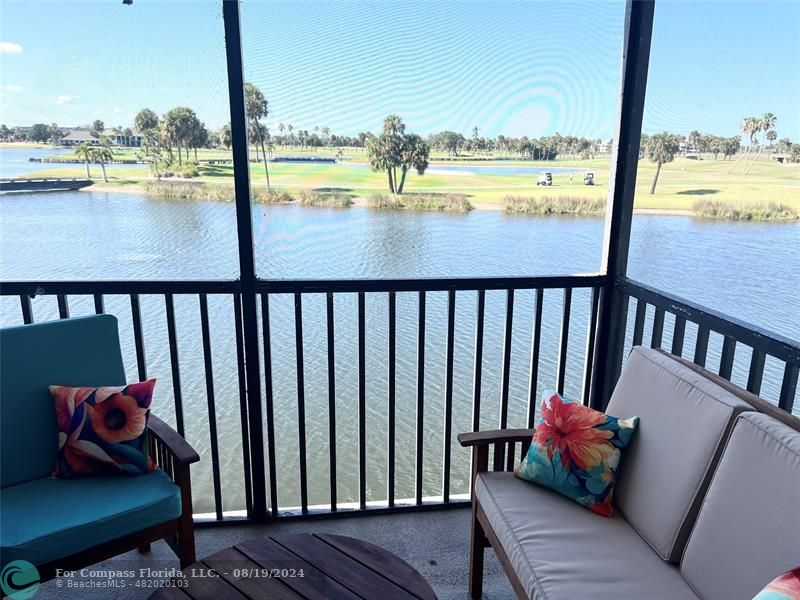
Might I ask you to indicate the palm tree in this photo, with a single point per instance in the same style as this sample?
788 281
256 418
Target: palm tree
102 153
768 121
85 152
281 128
257 109
772 135
661 148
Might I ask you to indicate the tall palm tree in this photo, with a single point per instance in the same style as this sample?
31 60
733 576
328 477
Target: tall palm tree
102 153
768 121
661 148
85 152
257 108
281 128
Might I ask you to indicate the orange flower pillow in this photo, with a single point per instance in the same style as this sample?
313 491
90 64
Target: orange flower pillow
103 431
575 451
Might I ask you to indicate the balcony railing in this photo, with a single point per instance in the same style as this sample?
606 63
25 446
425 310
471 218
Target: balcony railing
478 351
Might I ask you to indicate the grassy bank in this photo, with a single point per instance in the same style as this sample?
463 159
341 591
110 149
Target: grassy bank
456 203
554 205
681 185
725 210
173 190
327 199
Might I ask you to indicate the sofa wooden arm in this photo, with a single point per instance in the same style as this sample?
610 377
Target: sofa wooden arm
179 449
503 441
494 436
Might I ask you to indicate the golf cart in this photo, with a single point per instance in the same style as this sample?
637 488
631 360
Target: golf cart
545 179
588 178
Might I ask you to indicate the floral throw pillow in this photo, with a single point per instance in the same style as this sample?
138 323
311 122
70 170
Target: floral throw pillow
103 430
785 587
576 451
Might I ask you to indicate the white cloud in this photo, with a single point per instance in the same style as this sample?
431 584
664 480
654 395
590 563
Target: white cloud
65 99
117 109
12 88
10 48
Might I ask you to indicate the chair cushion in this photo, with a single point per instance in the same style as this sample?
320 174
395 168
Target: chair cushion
575 451
103 431
561 550
684 419
748 529
81 351
47 519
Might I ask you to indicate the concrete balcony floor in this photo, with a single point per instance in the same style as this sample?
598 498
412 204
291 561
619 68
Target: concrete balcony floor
436 543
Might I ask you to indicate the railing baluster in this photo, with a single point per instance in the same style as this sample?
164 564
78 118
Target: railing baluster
478 373
138 337
701 346
212 408
362 403
175 364
561 370
506 369
99 304
638 323
658 328
301 400
419 474
331 396
448 395
478 370
270 405
726 360
590 341
678 334
242 379
788 387
27 310
391 397
536 342
63 306
756 372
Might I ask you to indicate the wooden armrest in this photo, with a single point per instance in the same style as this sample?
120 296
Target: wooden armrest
180 449
495 436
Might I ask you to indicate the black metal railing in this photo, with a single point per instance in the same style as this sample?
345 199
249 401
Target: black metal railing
733 337
305 335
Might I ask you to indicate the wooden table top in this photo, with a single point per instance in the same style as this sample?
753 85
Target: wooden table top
311 566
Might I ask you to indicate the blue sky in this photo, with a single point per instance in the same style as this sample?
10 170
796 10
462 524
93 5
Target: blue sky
511 67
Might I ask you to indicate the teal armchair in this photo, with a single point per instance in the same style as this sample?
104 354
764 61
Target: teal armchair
72 523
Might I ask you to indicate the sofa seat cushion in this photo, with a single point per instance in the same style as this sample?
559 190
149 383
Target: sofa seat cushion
684 420
558 549
748 529
46 519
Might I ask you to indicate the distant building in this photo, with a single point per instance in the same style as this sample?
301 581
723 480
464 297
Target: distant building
82 135
120 139
605 147
78 136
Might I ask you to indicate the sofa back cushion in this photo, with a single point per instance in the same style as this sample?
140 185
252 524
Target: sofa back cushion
684 419
748 529
73 352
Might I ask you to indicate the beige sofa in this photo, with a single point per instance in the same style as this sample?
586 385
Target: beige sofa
707 498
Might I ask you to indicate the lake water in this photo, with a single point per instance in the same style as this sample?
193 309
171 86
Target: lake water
749 271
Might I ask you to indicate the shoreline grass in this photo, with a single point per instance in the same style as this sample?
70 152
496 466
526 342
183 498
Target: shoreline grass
325 199
716 209
194 191
456 203
553 205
